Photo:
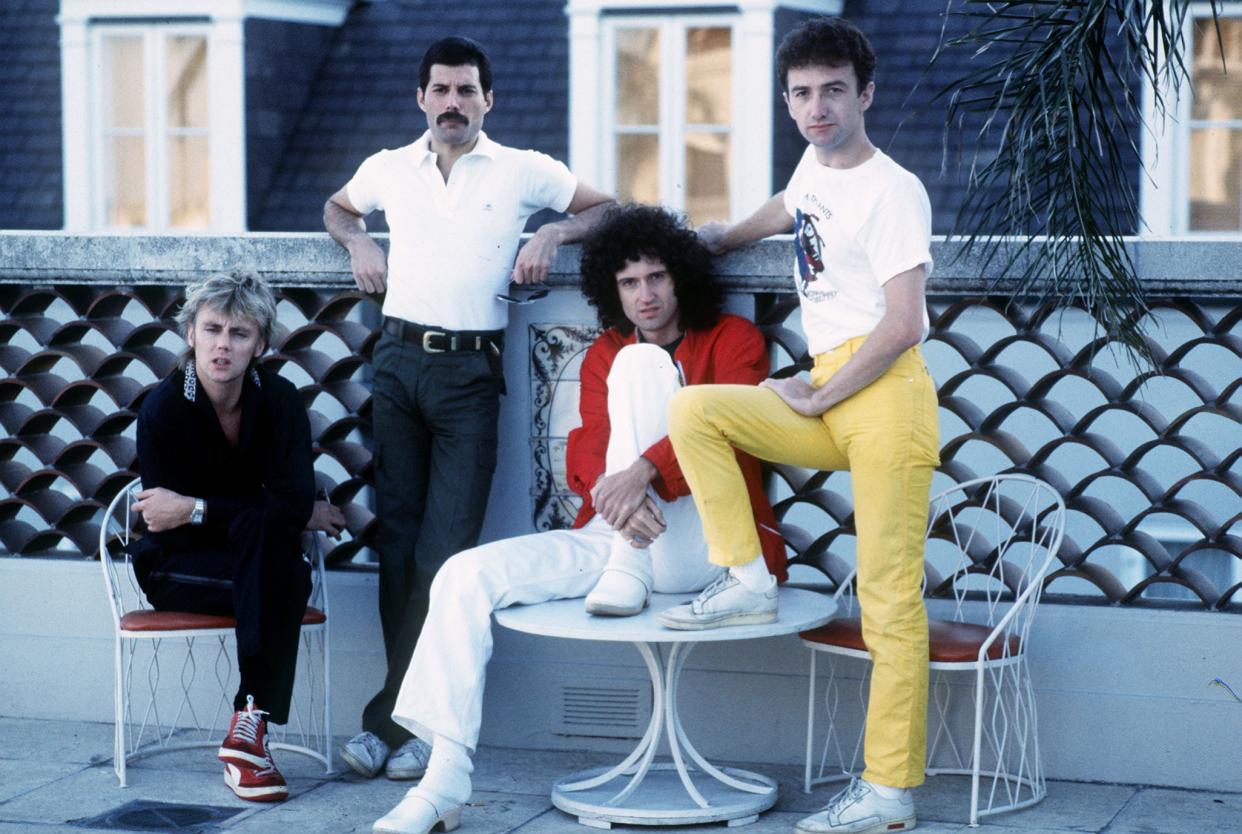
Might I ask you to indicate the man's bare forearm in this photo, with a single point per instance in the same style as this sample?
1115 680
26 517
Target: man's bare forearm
574 228
343 225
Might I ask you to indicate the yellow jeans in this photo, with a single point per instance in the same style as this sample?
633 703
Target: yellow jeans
887 435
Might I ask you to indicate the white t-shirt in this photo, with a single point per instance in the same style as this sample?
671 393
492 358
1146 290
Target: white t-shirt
854 229
451 245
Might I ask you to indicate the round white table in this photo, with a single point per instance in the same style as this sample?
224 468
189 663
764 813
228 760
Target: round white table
639 790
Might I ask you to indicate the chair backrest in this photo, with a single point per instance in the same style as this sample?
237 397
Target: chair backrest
990 539
116 530
994 540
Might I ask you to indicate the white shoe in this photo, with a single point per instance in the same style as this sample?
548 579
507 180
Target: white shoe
365 753
421 812
618 593
860 810
725 602
409 761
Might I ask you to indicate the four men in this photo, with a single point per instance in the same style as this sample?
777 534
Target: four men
456 203
673 403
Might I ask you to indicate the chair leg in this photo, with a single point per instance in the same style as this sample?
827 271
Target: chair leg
810 727
120 715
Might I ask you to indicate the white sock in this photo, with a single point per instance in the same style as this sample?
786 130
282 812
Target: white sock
754 575
886 792
448 770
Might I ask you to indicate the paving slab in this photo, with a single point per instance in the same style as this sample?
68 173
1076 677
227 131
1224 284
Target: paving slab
38 828
59 741
1070 806
19 777
1165 811
339 807
534 772
94 790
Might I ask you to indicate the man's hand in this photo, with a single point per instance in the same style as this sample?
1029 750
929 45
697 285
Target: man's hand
327 517
617 496
369 264
644 525
712 235
162 509
797 393
536 257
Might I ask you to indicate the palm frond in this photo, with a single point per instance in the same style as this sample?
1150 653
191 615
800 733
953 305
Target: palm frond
1049 115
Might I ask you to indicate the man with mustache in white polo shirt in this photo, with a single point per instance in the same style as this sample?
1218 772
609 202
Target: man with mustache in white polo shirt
456 203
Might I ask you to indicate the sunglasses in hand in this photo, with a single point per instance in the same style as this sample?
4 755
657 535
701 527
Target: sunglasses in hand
532 297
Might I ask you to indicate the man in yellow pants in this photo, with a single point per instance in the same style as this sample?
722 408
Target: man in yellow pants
862 227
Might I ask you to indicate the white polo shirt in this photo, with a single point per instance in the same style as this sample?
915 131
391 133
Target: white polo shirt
452 245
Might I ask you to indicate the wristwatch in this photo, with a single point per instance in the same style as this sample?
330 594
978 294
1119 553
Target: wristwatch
196 514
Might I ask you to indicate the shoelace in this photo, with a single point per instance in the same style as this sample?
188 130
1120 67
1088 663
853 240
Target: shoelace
847 797
248 722
718 584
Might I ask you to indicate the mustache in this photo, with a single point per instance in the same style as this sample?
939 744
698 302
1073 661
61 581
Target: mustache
451 117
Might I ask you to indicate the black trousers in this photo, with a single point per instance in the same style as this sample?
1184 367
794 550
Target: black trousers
434 417
259 576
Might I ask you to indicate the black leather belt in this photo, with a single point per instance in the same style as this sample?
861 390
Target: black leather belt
444 341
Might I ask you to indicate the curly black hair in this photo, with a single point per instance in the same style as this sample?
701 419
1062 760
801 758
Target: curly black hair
631 231
829 42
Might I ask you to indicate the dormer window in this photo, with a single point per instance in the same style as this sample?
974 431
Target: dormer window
153 105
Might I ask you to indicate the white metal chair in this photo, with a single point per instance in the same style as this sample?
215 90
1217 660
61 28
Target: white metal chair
190 712
990 542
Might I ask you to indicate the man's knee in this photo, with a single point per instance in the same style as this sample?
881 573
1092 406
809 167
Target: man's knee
265 532
685 410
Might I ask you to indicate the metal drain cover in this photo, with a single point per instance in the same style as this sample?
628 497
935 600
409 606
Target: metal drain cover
144 815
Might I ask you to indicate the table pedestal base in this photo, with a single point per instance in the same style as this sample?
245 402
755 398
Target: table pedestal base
661 799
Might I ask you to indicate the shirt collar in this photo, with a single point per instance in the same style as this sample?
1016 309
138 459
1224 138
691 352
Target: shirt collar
421 148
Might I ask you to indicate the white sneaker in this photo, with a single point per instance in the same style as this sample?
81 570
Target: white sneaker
365 753
725 602
618 594
860 810
409 761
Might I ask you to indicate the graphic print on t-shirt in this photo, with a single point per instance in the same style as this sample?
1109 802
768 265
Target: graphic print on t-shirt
809 251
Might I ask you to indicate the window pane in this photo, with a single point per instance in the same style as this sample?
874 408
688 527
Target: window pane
121 85
187 81
707 177
187 183
638 168
125 182
1215 180
709 76
638 76
1217 95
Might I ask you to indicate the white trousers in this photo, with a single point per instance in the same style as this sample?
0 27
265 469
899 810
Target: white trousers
442 693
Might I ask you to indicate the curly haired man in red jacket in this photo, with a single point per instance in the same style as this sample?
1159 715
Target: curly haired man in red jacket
651 282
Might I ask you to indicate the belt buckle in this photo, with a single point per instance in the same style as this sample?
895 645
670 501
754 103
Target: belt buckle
427 348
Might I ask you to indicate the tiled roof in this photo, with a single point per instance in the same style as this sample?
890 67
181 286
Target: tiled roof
30 128
363 99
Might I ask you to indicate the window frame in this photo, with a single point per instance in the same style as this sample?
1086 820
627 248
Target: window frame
671 129
592 93
156 131
223 20
1164 200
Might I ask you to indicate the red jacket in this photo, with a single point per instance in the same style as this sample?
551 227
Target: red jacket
733 351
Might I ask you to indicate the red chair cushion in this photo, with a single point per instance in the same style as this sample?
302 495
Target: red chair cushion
185 621
951 642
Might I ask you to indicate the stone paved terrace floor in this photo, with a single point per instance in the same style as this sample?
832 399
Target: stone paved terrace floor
55 774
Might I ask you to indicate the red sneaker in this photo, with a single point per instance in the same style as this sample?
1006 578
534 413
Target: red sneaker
246 743
263 784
